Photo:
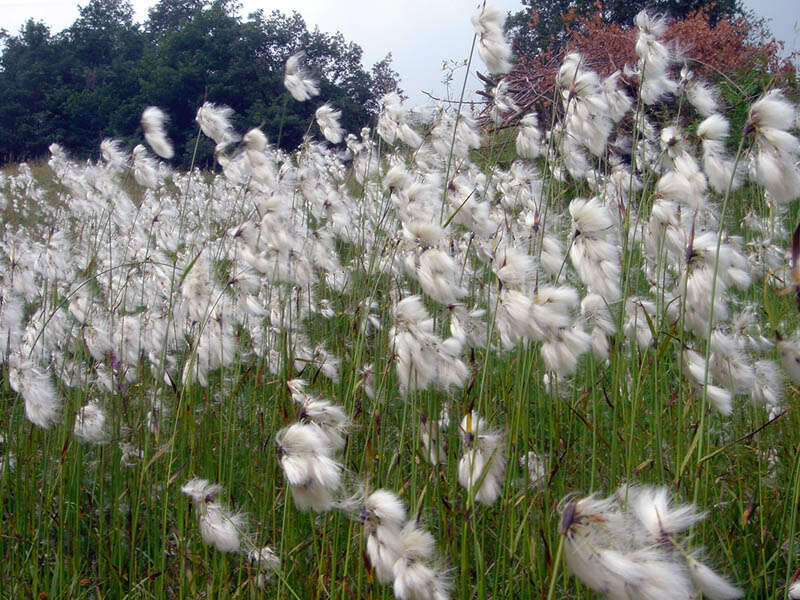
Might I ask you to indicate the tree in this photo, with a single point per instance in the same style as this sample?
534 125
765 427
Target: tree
28 75
734 54
385 79
212 54
94 79
541 24
170 15
100 53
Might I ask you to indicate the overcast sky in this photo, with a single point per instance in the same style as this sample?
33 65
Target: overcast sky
420 34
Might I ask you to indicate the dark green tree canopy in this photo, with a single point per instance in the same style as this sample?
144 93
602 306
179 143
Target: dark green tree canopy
94 79
540 24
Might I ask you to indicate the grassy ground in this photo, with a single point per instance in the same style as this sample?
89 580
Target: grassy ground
81 520
77 524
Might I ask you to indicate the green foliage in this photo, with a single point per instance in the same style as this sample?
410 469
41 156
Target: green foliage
93 80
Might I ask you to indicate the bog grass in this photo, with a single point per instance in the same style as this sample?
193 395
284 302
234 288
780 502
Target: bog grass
79 520
78 524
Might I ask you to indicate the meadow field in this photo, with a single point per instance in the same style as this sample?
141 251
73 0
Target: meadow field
444 358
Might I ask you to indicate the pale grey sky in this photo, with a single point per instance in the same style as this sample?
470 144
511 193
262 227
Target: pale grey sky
420 34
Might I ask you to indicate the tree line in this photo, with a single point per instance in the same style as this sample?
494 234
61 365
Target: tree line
93 80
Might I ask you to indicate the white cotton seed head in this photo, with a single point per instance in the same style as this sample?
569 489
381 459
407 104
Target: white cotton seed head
90 424
42 404
332 420
313 476
655 25
514 318
665 577
585 526
653 509
655 88
437 274
383 515
600 345
552 255
789 352
426 233
589 570
675 187
719 169
720 398
512 266
619 103
595 312
772 110
559 298
569 70
715 127
596 259
686 166
328 121
488 463
729 364
215 122
623 567
300 439
487 19
297 80
777 172
411 311
313 496
384 508
416 573
201 491
418 543
590 216
561 353
255 140
492 45
769 390
145 169
629 546
418 581
702 97
529 137
153 120
711 584
221 529
484 457
384 548
113 155
264 558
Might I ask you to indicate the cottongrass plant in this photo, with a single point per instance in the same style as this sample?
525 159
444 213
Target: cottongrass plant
219 527
610 298
313 474
629 546
417 576
297 79
153 121
482 467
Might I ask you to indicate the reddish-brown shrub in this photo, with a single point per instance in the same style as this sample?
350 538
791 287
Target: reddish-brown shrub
727 50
